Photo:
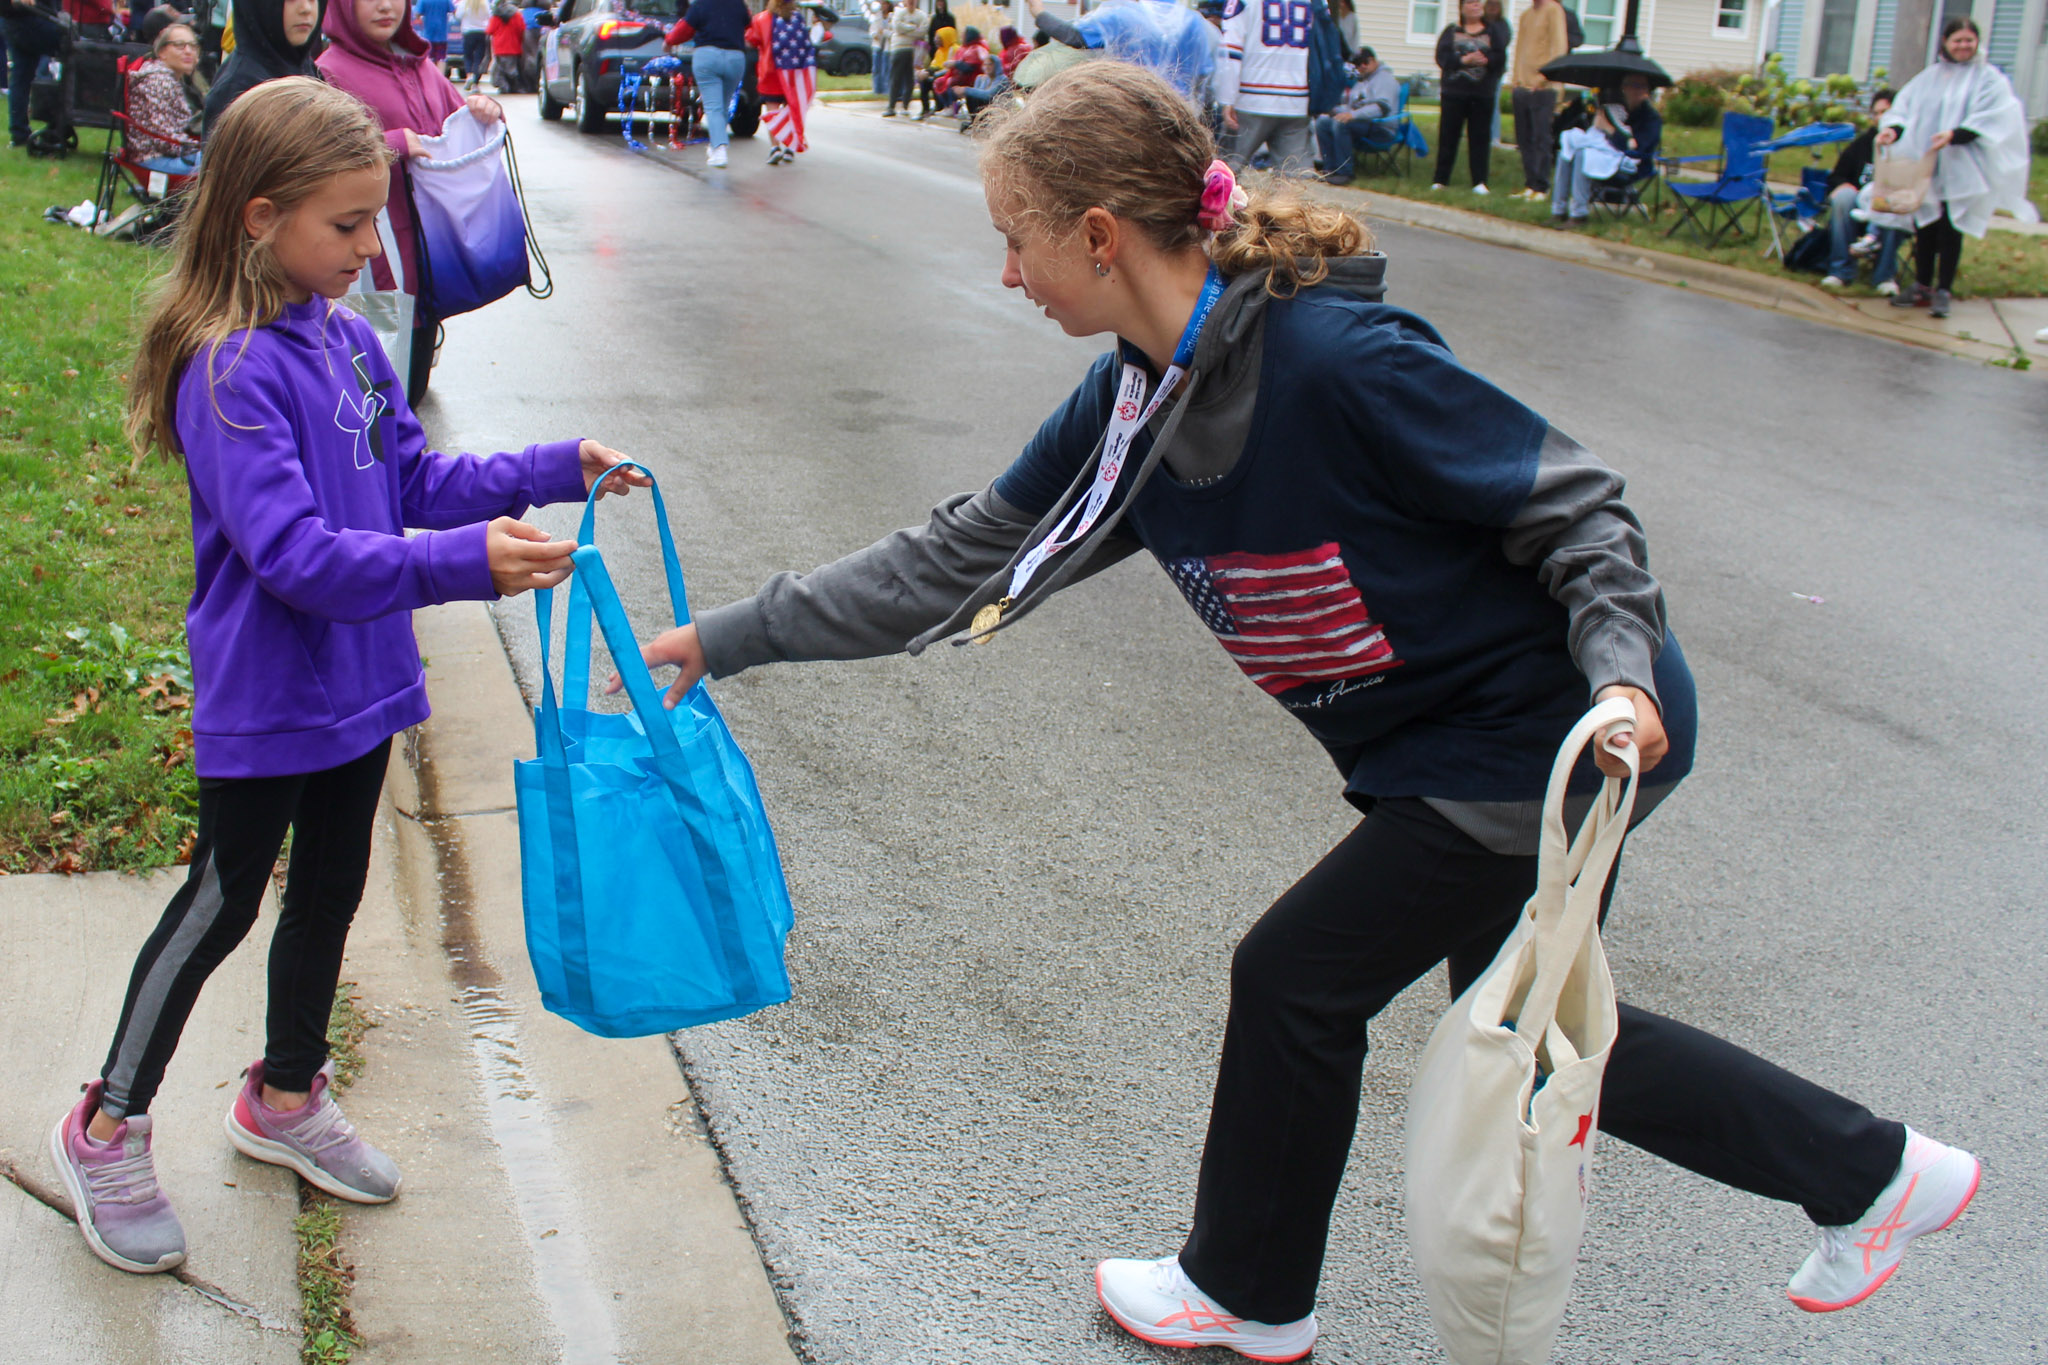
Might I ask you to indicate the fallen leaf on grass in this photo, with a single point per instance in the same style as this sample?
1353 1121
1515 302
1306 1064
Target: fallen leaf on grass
39 577
81 704
71 374
131 510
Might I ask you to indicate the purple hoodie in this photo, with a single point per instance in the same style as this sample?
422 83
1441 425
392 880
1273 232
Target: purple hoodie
306 466
404 90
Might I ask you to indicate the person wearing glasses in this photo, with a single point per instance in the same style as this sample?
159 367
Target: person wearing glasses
165 104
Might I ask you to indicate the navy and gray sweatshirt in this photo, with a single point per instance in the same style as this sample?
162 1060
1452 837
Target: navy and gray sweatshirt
1422 570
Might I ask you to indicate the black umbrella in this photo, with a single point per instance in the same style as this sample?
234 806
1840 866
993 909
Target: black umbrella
1604 70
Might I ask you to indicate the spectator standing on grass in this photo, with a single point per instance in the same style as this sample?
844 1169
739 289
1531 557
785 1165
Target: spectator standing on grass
1471 54
1963 110
878 44
718 63
374 53
163 97
1494 13
33 32
1854 169
941 18
1543 39
906 26
1365 119
475 18
1607 156
273 39
507 32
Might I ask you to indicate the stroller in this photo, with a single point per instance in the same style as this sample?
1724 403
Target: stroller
82 89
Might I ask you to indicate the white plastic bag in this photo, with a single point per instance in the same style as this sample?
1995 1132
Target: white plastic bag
1503 1115
388 311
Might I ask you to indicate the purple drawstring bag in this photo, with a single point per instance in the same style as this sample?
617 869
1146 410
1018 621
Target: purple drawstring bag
472 232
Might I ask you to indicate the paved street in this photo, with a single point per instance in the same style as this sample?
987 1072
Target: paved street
1019 870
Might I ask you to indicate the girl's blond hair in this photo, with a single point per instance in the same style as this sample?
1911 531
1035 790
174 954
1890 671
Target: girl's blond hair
1111 135
281 141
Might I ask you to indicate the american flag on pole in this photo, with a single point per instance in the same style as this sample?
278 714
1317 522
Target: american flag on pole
1288 620
796 62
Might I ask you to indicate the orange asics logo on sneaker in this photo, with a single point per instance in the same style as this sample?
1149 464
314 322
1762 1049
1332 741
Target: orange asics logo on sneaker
1878 1239
1200 1317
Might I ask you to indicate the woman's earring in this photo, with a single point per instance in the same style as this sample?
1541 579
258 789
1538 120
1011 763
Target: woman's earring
1102 270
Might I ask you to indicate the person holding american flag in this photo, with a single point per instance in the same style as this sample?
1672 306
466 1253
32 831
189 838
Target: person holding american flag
1423 571
786 77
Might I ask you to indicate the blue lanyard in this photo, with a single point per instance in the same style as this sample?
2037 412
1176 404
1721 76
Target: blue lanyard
1212 290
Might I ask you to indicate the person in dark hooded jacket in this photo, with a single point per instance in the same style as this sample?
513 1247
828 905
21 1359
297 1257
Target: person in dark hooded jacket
273 39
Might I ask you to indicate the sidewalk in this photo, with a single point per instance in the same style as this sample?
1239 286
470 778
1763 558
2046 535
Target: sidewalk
1983 330
560 1202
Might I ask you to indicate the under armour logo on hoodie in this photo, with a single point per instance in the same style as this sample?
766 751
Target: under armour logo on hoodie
358 412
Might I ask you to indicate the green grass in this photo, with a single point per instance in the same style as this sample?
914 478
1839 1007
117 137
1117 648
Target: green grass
95 688
861 82
2004 265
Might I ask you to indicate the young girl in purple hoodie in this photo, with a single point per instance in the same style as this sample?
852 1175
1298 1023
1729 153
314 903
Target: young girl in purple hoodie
305 468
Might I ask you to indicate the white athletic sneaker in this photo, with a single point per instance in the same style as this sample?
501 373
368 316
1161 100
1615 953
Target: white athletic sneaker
1479 189
2042 336
1888 288
1155 1301
1931 1190
1436 187
1832 282
717 157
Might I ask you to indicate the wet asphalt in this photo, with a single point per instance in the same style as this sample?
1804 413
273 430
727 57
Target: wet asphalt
1019 870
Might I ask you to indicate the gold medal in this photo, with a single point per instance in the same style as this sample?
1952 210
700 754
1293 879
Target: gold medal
985 621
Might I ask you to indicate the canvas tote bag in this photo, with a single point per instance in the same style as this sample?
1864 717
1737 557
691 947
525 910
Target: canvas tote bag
1501 1119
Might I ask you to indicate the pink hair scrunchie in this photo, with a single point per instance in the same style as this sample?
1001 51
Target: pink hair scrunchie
1222 197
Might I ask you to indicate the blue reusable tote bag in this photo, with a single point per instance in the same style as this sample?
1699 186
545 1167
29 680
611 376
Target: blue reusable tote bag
653 891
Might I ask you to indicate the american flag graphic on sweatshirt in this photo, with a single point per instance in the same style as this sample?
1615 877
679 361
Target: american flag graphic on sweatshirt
1288 620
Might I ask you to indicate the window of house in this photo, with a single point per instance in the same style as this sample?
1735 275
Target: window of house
1425 17
1601 19
1731 16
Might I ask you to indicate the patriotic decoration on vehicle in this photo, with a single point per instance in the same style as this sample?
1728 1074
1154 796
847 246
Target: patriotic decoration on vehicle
680 84
1288 620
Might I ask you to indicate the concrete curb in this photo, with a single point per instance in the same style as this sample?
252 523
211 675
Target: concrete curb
561 1203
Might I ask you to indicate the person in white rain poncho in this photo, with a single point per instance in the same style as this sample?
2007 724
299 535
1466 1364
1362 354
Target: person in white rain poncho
1166 38
1964 111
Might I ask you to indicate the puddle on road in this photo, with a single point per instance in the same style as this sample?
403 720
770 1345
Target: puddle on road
548 1214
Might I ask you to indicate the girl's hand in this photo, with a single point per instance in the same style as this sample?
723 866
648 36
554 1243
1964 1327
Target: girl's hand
1939 141
1887 136
678 647
522 557
485 109
596 460
1650 740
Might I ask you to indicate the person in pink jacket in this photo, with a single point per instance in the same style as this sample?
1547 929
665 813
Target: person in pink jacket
374 54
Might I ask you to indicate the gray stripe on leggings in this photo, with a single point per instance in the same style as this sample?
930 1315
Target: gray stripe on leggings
156 988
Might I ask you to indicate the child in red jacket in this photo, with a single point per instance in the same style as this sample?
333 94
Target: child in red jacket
507 29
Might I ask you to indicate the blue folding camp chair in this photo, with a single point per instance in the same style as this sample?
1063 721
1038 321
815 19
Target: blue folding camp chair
1395 158
1810 200
1715 209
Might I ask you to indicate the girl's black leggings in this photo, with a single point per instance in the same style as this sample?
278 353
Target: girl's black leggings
1939 244
1473 115
242 823
1403 892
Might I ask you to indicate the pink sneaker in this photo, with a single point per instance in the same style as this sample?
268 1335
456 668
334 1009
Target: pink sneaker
125 1218
314 1140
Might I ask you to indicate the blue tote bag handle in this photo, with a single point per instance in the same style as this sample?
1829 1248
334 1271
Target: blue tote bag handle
576 660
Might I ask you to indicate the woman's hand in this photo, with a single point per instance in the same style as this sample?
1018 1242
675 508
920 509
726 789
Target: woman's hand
596 459
521 557
678 647
1939 141
413 146
484 109
1887 136
1650 740
1230 117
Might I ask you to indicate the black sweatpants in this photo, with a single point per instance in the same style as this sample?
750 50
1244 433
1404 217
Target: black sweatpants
242 823
902 64
1938 245
1403 892
1474 115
